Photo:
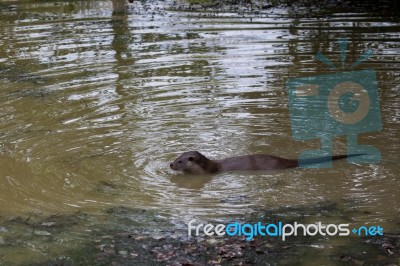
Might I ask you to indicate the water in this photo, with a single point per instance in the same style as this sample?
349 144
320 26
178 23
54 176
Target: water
96 103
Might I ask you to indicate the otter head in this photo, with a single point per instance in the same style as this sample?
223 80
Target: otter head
191 162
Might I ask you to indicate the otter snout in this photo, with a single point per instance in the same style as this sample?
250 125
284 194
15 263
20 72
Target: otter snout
189 162
175 166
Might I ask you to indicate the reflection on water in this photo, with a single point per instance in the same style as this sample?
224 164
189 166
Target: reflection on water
96 103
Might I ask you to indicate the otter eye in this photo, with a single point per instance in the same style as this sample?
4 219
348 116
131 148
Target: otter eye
179 161
190 158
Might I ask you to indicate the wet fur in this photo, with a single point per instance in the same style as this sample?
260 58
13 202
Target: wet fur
195 163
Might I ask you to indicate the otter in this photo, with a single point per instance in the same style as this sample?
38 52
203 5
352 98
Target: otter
195 163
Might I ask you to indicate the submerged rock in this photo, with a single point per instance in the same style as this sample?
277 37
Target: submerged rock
42 233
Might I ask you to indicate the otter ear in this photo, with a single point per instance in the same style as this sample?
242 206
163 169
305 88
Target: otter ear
191 158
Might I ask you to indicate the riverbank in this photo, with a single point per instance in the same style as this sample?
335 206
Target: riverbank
258 6
119 237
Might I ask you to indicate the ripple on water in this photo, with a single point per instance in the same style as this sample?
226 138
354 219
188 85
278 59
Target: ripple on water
97 106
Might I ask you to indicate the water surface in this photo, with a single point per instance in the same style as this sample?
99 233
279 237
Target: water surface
97 102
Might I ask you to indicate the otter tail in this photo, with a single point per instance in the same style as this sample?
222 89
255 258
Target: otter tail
327 159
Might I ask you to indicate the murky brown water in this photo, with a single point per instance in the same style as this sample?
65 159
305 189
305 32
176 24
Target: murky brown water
95 105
